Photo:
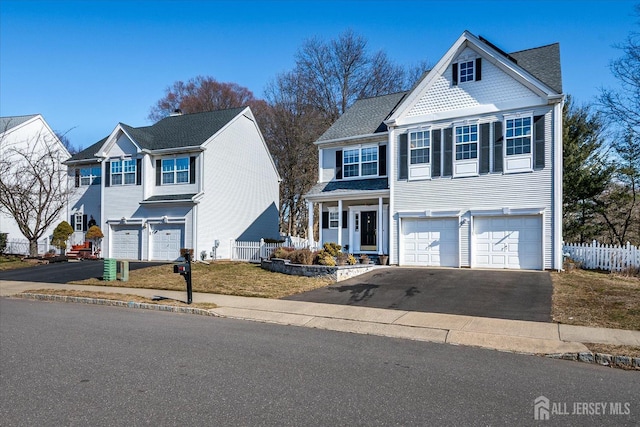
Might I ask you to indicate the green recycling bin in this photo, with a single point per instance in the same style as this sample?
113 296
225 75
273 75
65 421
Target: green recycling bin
110 270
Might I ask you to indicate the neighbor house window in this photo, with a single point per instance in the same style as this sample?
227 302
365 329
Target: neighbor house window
466 70
78 223
466 142
175 171
123 172
419 144
334 218
360 162
90 176
518 136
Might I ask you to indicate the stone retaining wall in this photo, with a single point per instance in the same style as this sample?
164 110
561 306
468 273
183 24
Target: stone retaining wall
337 273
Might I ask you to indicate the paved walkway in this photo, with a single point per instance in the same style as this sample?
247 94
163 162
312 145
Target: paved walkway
499 334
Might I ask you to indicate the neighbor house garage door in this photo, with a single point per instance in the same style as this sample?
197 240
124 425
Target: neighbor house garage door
508 242
125 242
430 242
166 241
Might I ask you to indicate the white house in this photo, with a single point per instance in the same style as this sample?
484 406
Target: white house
23 137
464 170
188 181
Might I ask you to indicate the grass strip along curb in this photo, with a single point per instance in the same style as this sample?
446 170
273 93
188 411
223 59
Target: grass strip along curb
116 303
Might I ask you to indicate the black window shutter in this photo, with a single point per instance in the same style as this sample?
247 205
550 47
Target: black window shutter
84 222
192 170
107 174
158 172
382 160
344 219
73 221
538 136
138 171
478 69
77 177
454 73
403 173
436 150
339 164
497 147
447 163
484 148
325 220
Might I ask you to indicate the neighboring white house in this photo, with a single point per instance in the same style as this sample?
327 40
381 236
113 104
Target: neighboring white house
28 134
188 181
464 170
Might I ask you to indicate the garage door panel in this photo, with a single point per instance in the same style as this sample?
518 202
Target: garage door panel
430 242
125 242
509 242
166 242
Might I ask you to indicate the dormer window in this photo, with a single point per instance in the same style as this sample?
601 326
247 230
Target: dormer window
175 171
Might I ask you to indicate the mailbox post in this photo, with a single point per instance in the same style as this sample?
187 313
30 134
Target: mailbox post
185 271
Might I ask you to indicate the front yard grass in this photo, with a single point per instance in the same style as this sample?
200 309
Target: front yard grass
220 277
11 262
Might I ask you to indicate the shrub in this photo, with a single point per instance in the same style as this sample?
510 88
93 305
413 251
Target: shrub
61 234
301 256
3 242
342 259
332 248
282 252
351 260
324 258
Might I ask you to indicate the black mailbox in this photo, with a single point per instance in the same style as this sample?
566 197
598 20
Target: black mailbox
181 269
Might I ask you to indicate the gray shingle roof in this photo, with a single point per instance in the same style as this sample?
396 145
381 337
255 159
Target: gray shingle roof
187 130
544 63
9 122
350 186
364 117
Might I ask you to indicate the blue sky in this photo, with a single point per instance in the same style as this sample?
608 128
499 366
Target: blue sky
87 65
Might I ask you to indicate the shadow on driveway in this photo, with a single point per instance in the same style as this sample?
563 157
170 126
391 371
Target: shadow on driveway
516 295
65 272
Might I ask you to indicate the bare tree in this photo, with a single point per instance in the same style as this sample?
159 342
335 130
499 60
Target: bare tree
33 184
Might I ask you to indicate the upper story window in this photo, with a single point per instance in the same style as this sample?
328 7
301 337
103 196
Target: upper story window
419 144
360 162
88 176
175 171
123 172
518 136
467 71
466 139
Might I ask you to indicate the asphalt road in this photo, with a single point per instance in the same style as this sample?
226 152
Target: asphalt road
74 364
64 272
503 294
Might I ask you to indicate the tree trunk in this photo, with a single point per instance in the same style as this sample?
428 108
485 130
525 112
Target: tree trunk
33 247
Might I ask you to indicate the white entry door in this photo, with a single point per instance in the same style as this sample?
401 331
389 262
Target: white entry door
125 242
430 242
166 241
513 242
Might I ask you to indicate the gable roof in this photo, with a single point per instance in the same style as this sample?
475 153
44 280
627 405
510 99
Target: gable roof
186 130
365 117
543 63
10 122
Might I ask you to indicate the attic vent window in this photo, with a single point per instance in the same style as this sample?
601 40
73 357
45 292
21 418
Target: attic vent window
466 71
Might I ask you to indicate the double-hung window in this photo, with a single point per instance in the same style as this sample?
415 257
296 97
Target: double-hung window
420 144
175 171
334 218
466 142
123 172
90 176
360 162
518 136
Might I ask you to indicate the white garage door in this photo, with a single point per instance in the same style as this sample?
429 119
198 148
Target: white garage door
125 242
508 242
430 242
166 242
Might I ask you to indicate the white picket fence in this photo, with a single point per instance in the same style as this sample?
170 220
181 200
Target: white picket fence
596 256
255 251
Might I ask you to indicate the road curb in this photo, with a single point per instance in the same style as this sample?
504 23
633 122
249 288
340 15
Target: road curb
116 303
603 359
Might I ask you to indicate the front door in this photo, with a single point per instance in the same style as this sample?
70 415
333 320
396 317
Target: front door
368 227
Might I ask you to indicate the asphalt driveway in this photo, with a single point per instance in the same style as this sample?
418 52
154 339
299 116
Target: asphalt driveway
64 272
517 295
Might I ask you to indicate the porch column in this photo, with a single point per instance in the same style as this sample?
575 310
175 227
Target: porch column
310 222
380 234
340 222
320 225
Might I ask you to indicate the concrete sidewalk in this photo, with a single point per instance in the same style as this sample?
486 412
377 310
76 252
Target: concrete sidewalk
499 334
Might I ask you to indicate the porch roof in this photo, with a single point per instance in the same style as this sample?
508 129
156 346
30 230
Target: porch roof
352 187
170 198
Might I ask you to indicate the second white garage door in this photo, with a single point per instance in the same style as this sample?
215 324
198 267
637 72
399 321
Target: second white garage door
513 242
166 242
430 242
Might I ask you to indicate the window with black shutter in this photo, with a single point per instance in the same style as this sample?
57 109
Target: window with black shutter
436 154
447 158
339 164
403 171
539 142
498 139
